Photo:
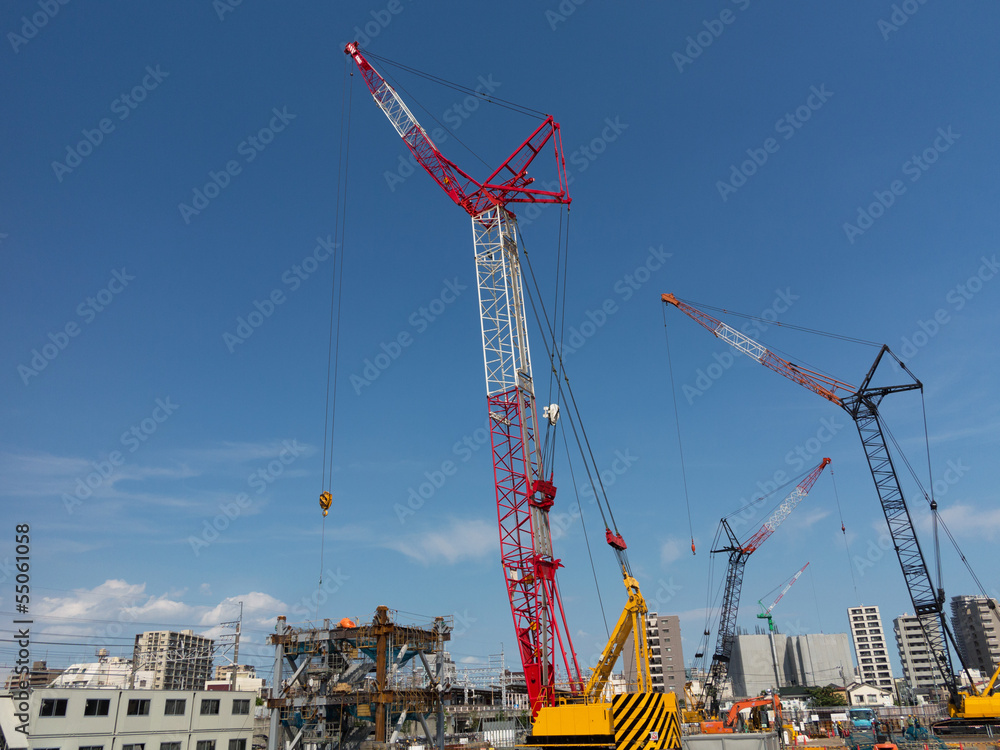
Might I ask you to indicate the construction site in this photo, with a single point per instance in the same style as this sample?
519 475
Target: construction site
757 522
345 685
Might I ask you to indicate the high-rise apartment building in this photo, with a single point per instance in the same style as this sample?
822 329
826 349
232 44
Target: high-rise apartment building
869 646
919 670
976 631
666 662
179 661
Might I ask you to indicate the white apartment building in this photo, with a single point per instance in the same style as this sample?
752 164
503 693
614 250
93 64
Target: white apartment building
869 646
919 668
178 660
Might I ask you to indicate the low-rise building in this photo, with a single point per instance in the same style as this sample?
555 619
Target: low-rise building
111 672
861 694
141 719
40 675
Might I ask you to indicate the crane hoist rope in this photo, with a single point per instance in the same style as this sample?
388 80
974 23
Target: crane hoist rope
677 423
333 340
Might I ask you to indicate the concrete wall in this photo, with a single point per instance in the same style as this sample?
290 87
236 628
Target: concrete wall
812 659
752 668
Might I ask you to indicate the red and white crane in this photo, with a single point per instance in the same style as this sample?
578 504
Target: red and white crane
524 490
738 554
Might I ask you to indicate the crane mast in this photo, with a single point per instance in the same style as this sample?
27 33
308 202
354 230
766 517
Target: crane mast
524 493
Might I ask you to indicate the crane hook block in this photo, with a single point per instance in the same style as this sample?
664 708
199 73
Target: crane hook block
615 540
325 501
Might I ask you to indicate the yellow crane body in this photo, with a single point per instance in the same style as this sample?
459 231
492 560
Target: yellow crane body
629 721
641 720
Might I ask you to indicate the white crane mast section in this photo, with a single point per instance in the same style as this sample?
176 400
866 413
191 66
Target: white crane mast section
739 341
505 338
786 507
398 113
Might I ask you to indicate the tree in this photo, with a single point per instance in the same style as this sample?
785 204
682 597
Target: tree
826 696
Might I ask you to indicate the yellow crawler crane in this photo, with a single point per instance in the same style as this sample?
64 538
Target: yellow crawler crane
641 720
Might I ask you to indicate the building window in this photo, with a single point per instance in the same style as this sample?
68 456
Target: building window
97 707
52 707
209 707
237 745
174 707
241 707
91 747
138 707
170 746
205 745
136 746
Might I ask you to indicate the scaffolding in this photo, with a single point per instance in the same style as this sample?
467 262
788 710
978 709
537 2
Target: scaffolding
340 685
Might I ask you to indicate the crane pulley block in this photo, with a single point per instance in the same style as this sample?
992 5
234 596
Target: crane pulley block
615 540
543 494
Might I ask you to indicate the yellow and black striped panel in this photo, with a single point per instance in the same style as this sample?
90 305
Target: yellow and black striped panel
646 721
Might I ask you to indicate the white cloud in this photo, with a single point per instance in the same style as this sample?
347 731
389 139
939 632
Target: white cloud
671 549
116 607
108 598
967 520
459 540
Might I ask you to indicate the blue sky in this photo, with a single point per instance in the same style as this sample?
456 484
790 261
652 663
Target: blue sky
729 152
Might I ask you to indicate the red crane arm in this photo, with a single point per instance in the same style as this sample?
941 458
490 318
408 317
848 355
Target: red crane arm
816 382
786 507
509 183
